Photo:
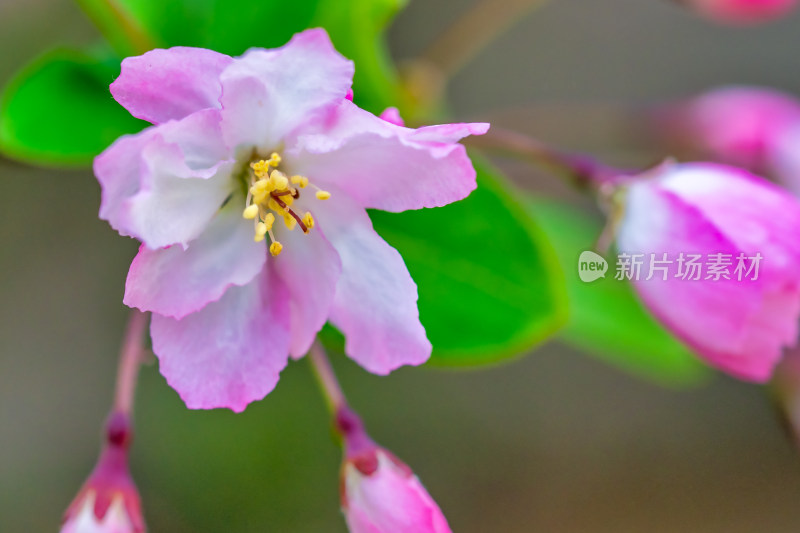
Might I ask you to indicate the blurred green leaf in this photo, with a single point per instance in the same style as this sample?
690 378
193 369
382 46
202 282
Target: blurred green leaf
233 26
606 318
58 111
489 284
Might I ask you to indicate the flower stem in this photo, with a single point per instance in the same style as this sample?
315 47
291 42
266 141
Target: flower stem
326 378
581 170
130 359
473 31
124 32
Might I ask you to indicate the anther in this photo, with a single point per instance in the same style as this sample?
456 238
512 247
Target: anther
300 181
275 248
308 220
250 212
279 179
323 195
261 229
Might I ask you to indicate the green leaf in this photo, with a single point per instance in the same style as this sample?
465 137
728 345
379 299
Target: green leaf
58 110
489 284
606 318
233 26
358 33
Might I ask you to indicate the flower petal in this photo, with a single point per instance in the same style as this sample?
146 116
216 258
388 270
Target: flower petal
164 85
309 267
382 165
176 282
268 93
749 210
163 185
390 500
738 326
231 352
376 300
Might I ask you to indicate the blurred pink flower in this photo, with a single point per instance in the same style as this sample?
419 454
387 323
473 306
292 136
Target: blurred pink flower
708 210
741 11
738 125
380 493
249 196
108 502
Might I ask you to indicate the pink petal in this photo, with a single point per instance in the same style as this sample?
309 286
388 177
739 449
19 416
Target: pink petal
752 212
376 300
269 93
176 282
164 85
738 326
309 267
164 185
390 500
231 352
384 166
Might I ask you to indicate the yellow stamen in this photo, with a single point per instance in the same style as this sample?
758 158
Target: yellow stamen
300 181
260 168
271 195
250 212
279 180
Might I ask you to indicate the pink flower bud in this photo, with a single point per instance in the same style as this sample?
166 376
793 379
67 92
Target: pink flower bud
108 502
392 115
380 493
738 125
741 11
738 306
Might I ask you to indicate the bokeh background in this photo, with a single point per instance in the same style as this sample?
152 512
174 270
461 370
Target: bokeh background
554 442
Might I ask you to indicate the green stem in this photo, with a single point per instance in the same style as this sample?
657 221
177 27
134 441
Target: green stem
581 170
118 26
473 31
326 378
130 360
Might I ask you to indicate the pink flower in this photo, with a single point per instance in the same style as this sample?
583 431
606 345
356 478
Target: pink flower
108 502
380 493
249 195
738 125
741 11
738 311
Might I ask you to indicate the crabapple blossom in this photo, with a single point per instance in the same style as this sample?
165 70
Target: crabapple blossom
249 195
739 325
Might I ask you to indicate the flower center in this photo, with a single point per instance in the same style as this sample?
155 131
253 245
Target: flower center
271 194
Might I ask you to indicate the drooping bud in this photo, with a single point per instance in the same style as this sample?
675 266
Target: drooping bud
108 502
380 493
737 125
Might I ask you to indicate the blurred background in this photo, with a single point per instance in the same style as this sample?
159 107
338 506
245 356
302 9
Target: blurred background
555 441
